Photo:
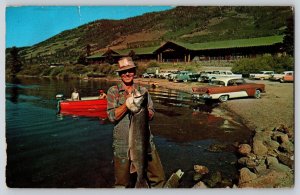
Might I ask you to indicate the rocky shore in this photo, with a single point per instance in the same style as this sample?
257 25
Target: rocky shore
269 161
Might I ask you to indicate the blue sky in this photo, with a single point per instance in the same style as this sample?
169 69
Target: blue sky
28 25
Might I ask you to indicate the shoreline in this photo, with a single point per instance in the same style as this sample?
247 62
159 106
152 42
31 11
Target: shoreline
276 107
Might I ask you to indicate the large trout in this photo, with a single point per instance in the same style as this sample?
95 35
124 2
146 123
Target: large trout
139 134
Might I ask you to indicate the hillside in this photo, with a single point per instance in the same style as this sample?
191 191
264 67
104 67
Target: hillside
181 24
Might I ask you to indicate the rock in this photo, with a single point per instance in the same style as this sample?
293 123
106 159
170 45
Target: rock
243 161
271 144
260 169
287 147
271 160
201 169
272 153
273 164
276 136
225 183
213 179
262 135
286 130
197 176
259 148
248 162
286 160
252 156
283 138
244 149
201 185
271 179
246 175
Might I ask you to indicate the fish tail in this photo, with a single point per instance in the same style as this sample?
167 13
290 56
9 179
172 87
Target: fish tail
141 183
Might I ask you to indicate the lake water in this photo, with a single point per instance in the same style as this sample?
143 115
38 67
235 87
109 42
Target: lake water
44 150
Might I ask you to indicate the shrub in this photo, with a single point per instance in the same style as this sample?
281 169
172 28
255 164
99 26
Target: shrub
79 69
153 64
56 71
46 71
34 70
265 62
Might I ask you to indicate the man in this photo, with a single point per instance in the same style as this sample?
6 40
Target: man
102 95
75 95
119 114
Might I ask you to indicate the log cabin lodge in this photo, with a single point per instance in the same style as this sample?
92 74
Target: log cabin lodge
186 52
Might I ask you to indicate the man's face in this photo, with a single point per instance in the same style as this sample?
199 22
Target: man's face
127 75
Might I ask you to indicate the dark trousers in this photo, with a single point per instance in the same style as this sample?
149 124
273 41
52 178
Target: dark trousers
155 172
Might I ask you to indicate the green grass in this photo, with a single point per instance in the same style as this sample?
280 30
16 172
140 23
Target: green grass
142 50
233 43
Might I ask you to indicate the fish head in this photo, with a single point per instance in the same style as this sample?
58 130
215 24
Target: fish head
136 101
138 98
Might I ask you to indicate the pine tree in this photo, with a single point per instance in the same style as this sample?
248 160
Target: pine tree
15 62
289 40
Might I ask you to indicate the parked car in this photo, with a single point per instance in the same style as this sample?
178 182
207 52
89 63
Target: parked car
226 88
209 75
163 74
204 76
262 75
186 76
289 77
286 75
148 75
172 76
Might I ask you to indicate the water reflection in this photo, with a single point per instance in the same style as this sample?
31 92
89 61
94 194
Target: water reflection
15 90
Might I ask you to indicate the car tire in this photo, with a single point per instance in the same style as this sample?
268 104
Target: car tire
223 98
257 94
281 81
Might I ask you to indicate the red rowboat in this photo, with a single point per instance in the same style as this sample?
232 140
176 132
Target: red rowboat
87 106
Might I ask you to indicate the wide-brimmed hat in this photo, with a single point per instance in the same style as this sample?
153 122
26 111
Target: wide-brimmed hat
125 63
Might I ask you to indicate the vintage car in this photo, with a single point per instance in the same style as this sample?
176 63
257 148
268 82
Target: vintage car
163 74
288 77
207 76
280 77
185 76
148 75
262 75
172 76
225 88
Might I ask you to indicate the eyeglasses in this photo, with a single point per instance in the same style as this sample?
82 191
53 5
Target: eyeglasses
129 71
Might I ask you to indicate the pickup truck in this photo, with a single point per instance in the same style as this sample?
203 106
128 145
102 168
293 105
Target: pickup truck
208 76
285 76
262 75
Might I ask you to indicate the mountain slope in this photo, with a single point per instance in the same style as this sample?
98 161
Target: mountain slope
183 24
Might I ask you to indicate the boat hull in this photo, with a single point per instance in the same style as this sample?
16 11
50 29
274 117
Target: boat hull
88 108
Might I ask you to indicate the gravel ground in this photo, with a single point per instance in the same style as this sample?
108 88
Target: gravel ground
275 107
